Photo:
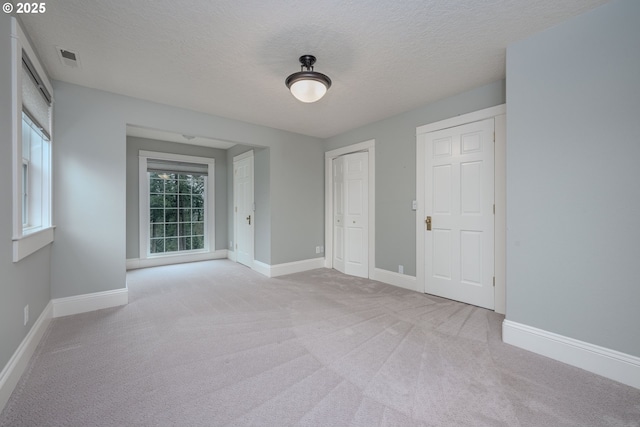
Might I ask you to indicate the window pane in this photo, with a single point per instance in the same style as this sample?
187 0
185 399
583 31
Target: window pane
198 184
184 229
171 186
25 185
157 230
157 215
185 201
156 200
156 185
185 243
171 230
170 200
197 201
198 228
171 215
197 242
184 187
157 246
185 215
197 215
171 245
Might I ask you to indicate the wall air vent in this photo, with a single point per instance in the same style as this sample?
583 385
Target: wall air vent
68 57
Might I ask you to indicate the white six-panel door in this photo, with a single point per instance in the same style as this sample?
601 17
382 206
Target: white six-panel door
244 217
459 199
350 201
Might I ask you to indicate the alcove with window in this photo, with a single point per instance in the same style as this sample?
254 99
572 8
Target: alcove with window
176 196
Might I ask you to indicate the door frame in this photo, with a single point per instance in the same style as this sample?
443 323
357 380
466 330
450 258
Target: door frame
240 157
368 146
500 190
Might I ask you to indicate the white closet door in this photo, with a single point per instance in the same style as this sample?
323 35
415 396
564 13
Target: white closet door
351 227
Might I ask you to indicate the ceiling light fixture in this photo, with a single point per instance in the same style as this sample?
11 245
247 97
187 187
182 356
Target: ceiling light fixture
308 85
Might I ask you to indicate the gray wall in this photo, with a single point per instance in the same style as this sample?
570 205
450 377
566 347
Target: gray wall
296 193
573 180
90 159
396 169
25 282
134 145
262 199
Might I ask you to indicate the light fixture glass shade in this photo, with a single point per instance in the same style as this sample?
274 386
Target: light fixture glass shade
308 85
308 90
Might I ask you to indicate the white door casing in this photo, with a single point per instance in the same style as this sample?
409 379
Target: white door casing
351 214
498 113
244 218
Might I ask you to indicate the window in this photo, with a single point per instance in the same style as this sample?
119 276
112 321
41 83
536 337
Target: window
32 112
176 205
35 176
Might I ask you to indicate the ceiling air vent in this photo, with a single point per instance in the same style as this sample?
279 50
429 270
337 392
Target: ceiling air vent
68 57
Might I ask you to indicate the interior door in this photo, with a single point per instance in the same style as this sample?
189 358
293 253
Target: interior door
351 219
459 200
243 211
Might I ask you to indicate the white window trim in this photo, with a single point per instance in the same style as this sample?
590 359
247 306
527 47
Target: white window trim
25 242
143 200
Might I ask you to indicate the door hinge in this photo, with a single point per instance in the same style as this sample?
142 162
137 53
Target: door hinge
494 208
494 281
494 137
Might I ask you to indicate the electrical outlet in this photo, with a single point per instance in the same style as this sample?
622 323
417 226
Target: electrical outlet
26 314
401 269
414 205
317 249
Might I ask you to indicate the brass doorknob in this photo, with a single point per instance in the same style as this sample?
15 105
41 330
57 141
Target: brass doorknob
249 219
428 221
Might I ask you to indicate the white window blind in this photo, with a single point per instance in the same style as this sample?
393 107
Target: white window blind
157 165
36 100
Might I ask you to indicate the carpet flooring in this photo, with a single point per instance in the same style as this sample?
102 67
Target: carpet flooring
216 344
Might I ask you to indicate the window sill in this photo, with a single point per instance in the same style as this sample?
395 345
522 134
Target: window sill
158 260
32 242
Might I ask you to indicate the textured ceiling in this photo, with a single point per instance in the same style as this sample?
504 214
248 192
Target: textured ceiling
230 58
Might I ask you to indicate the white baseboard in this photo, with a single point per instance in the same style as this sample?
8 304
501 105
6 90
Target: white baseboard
296 266
135 263
16 366
609 363
288 267
231 255
395 279
89 302
262 268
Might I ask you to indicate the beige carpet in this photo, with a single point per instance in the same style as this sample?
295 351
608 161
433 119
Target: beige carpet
216 344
